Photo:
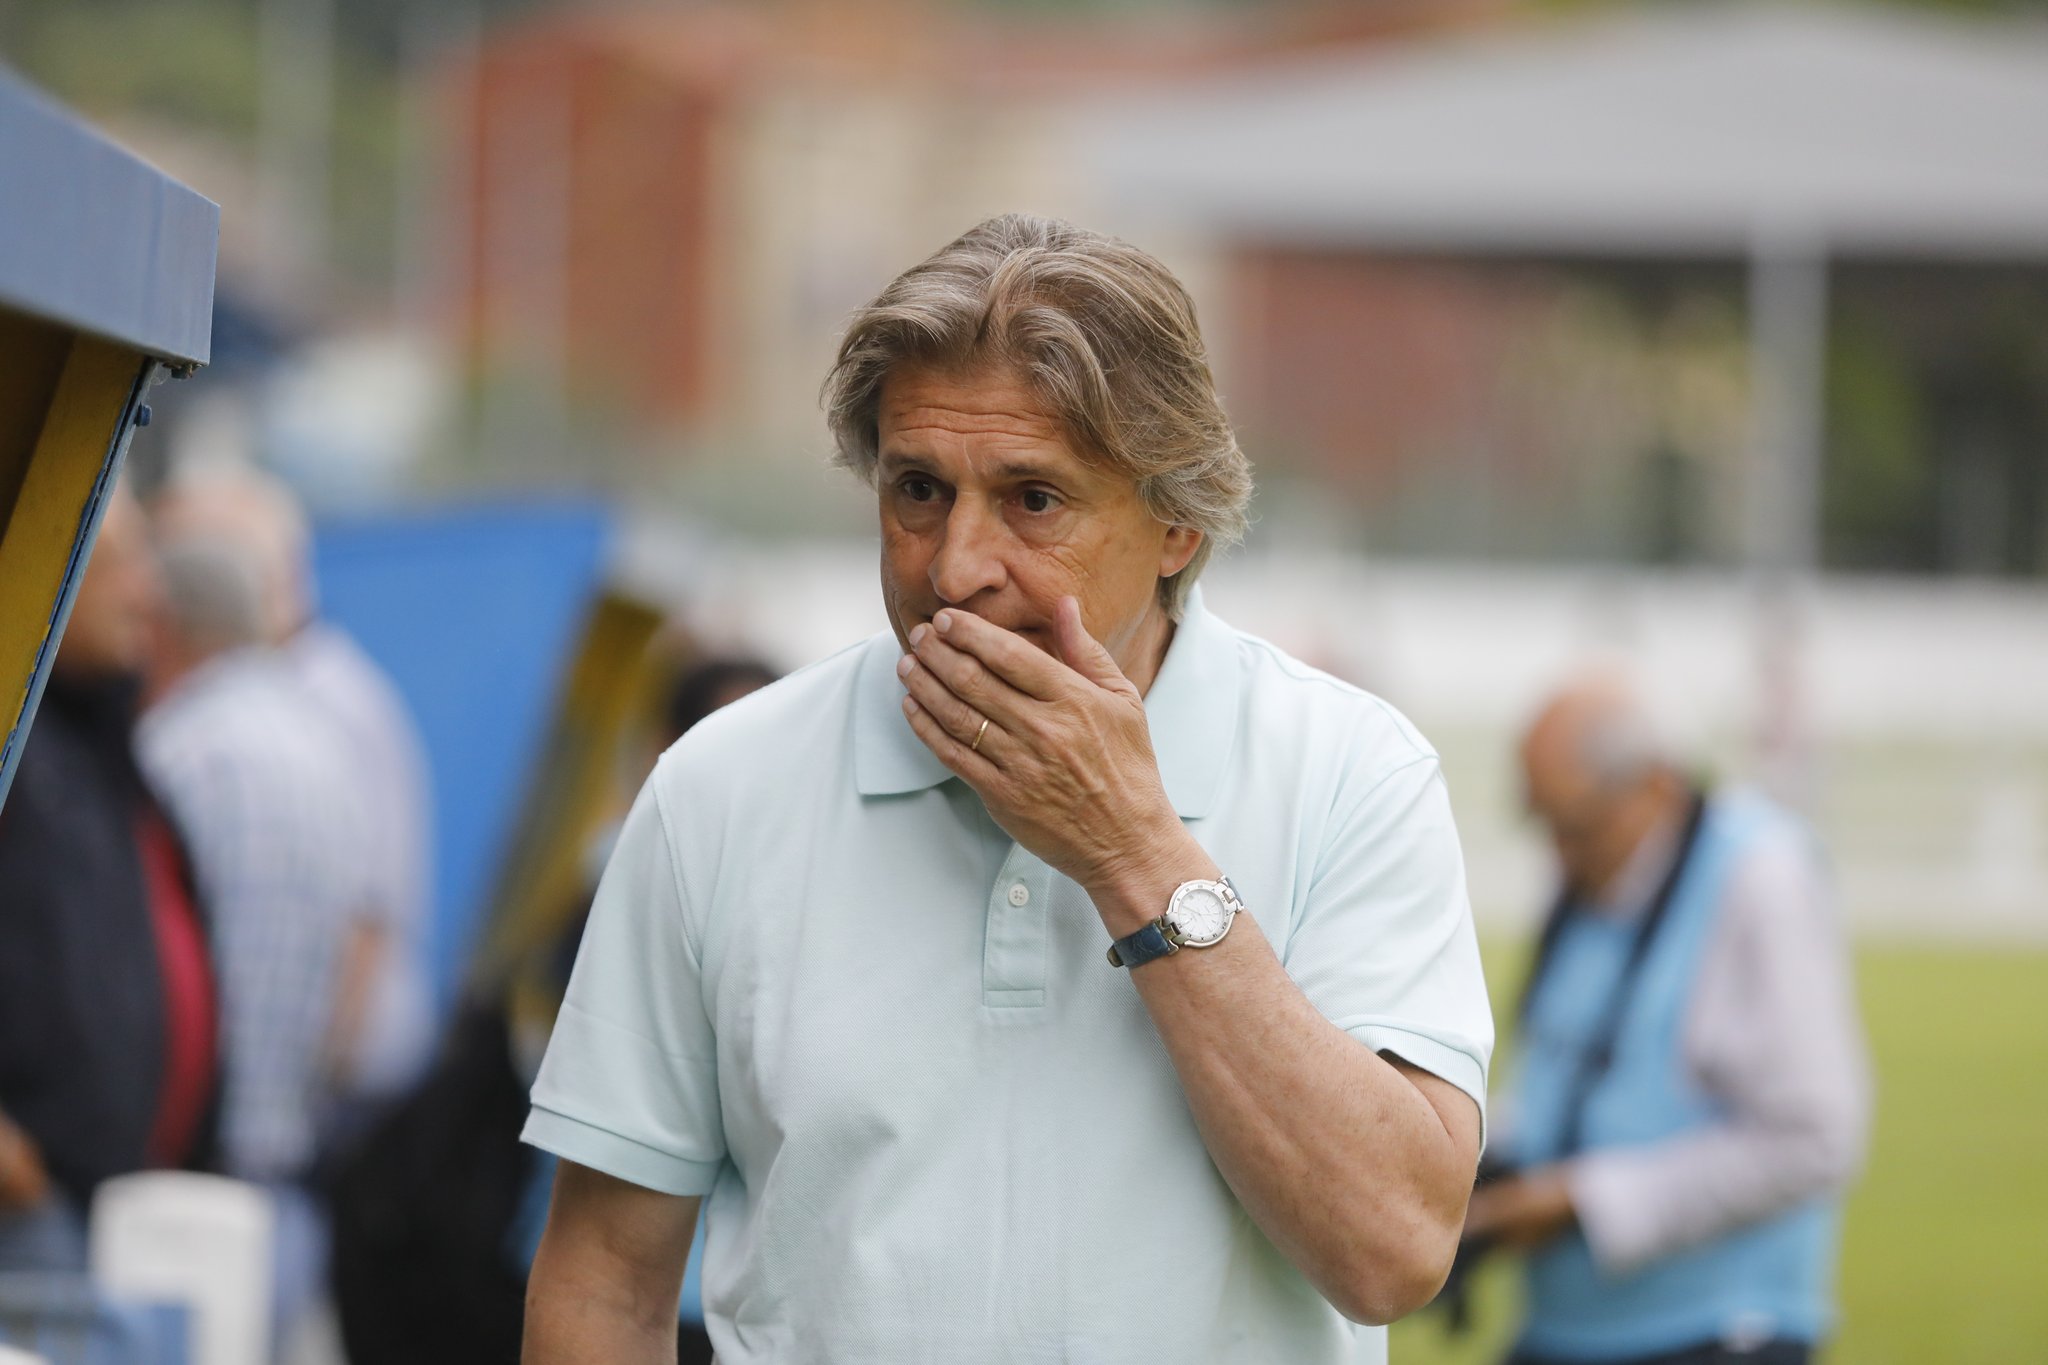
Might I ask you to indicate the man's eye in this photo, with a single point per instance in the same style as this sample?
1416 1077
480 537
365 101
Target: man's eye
1038 500
919 489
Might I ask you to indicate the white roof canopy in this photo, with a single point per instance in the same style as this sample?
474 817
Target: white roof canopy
1699 132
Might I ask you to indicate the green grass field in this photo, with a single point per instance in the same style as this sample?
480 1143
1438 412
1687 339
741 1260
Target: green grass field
1945 1246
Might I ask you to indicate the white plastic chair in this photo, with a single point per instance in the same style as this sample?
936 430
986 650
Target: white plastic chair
200 1240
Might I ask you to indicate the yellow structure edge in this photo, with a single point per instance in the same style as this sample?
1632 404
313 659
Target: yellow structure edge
46 529
605 697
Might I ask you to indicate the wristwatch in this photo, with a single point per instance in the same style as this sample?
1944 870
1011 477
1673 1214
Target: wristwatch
1198 916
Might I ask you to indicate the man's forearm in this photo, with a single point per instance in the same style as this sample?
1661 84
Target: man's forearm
1641 1203
570 1322
569 1329
608 1273
1339 1157
364 951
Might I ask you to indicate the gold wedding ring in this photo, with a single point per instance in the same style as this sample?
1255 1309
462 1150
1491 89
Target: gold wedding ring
976 746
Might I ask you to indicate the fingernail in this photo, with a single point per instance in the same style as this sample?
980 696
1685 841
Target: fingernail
917 633
910 706
944 621
905 664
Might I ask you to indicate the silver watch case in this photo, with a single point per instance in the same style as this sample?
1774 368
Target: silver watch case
1200 913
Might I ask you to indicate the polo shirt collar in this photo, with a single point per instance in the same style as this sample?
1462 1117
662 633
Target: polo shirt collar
1192 709
888 757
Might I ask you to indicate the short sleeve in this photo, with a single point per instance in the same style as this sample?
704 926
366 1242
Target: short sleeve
1384 947
629 1085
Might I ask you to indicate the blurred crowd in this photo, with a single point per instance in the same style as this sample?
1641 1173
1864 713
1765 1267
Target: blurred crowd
216 854
214 932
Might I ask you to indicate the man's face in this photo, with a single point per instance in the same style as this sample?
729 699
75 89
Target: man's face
1574 810
1595 824
115 615
987 508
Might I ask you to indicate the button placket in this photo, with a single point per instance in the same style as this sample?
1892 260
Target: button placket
1014 953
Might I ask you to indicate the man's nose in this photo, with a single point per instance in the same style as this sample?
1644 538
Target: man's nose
969 558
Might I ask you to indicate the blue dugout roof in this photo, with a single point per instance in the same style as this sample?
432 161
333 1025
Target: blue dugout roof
95 239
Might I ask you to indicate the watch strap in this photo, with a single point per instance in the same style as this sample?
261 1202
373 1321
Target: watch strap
1135 950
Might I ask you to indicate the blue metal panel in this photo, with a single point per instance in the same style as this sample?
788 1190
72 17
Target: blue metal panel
476 612
97 240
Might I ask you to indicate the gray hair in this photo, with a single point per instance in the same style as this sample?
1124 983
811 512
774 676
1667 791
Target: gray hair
1621 742
234 503
1101 332
214 592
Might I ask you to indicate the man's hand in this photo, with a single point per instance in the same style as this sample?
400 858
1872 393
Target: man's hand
24 1181
1522 1211
1065 764
365 950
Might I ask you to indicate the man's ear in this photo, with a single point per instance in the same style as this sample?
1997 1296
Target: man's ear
1180 547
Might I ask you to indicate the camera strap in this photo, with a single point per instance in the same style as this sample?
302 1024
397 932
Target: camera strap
1598 1056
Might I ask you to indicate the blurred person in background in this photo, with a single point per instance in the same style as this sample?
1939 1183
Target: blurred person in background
1693 1090
259 777
439 1211
845 977
108 1007
385 756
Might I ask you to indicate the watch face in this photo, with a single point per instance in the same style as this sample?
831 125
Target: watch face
1200 914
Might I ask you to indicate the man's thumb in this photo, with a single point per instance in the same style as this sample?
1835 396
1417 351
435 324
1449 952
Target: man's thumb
1079 650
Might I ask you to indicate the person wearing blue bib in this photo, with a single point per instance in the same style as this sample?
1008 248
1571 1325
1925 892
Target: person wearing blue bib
1059 975
1693 1092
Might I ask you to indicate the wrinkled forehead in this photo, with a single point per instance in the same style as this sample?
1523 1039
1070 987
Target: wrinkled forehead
989 415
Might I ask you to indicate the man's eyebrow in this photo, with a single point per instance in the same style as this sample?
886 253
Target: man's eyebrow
894 460
1010 470
1027 469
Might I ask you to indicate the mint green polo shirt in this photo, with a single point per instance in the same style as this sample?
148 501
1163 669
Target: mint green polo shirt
821 988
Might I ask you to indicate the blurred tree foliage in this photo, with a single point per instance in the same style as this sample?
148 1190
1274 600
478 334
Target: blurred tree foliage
1937 449
192 61
1876 472
193 66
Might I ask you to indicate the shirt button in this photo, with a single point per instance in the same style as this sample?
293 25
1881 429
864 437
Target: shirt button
1020 895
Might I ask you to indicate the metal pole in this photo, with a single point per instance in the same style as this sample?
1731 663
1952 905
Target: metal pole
1788 331
436 173
527 148
295 126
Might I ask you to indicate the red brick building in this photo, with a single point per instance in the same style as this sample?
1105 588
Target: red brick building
669 212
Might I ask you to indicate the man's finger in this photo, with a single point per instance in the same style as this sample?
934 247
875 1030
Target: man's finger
1006 654
976 769
972 681
961 719
1081 651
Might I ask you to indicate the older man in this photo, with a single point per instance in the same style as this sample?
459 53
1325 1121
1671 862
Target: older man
109 1016
234 505
1061 975
257 773
1694 1092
